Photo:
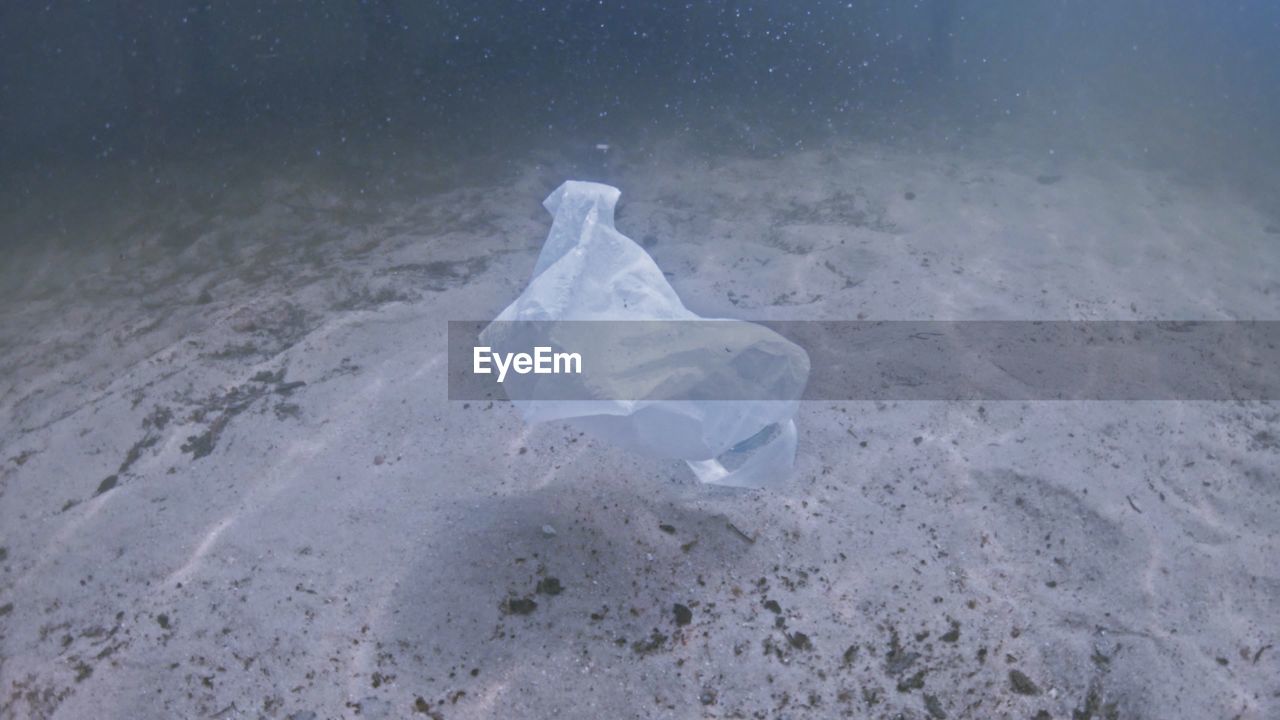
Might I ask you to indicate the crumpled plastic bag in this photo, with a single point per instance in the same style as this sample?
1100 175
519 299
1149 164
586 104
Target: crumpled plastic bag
668 388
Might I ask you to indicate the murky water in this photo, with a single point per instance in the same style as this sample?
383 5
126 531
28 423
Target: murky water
232 483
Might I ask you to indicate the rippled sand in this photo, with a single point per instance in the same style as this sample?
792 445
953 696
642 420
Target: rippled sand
231 484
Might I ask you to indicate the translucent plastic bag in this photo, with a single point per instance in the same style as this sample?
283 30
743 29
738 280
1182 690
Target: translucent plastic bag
718 394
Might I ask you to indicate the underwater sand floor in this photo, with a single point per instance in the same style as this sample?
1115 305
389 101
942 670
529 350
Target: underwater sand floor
231 484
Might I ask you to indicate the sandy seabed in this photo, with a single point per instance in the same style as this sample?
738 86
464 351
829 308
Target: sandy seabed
231 484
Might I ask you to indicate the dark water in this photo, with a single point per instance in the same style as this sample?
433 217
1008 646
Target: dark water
232 483
90 85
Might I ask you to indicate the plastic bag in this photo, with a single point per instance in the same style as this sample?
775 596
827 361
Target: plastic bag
718 394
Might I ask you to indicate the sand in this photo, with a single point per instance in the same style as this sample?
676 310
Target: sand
231 484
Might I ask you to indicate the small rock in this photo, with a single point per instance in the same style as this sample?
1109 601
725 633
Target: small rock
652 644
550 586
800 641
266 376
934 707
684 615
851 654
107 484
915 682
708 697
548 531
422 707
1022 684
520 606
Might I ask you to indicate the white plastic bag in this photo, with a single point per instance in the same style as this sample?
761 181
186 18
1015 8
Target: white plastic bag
588 271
